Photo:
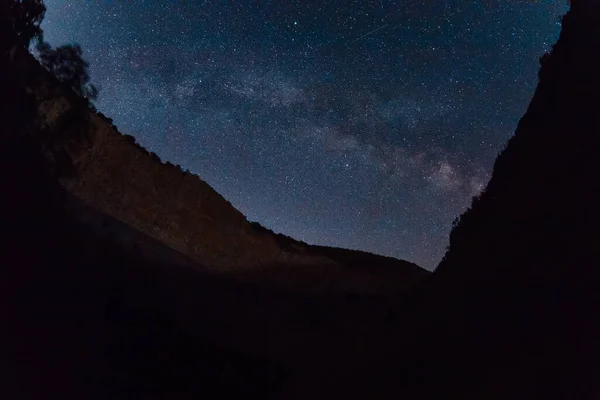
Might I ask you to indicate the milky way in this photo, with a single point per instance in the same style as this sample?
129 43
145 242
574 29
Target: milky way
366 124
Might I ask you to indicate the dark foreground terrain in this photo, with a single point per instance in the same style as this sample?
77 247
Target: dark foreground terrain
93 308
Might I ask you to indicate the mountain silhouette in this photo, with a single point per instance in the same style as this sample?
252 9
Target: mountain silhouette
110 172
521 263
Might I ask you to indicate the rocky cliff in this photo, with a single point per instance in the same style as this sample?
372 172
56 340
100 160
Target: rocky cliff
538 214
113 174
517 291
90 300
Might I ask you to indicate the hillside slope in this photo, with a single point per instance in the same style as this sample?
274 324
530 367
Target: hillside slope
521 269
86 299
113 174
511 311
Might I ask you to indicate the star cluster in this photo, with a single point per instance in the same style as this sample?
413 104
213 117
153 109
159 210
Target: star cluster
361 124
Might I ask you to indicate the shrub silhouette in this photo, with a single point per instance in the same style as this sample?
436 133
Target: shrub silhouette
20 22
66 63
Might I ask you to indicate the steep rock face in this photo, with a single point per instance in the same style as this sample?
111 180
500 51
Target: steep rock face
538 215
516 292
116 176
177 208
87 299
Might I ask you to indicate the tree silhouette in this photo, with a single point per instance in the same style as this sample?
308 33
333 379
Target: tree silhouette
66 63
20 22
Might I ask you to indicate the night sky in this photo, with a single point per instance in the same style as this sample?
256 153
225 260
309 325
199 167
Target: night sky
365 124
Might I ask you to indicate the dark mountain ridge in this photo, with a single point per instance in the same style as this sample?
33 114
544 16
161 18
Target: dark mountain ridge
513 298
113 174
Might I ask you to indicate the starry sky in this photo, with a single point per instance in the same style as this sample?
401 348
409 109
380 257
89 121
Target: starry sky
361 124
